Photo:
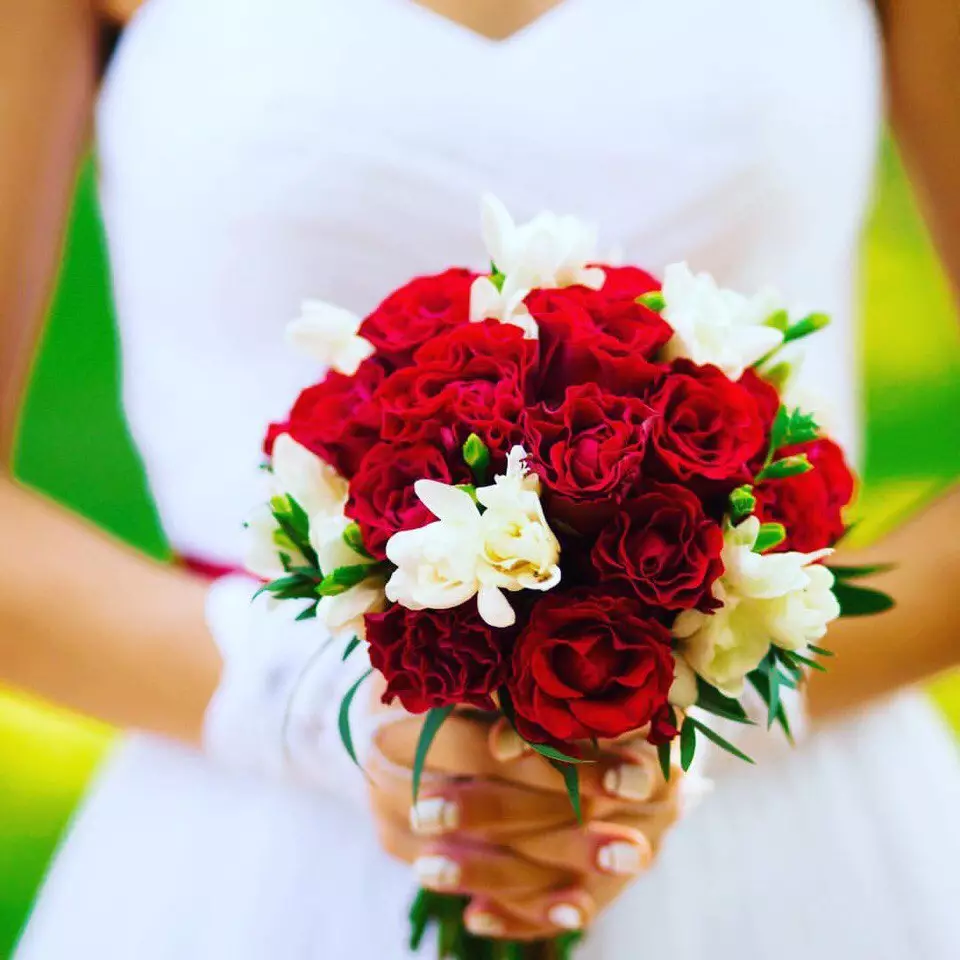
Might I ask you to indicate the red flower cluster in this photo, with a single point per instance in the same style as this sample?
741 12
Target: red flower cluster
636 458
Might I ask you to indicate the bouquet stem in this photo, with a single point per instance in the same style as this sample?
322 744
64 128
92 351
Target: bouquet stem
455 942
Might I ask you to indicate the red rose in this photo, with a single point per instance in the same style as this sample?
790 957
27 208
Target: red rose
382 498
575 349
615 310
468 381
588 451
337 418
768 404
588 664
663 726
708 427
418 312
663 548
809 505
437 658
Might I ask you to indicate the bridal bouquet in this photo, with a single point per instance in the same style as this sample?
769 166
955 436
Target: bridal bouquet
563 491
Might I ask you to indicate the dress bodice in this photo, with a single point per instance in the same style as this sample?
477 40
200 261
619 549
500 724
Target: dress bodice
253 154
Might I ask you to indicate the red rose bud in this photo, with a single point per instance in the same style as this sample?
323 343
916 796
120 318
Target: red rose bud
437 658
663 548
589 663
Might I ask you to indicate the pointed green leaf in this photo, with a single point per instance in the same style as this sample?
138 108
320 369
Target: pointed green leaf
719 741
342 579
351 646
551 753
571 779
353 538
821 651
803 328
663 755
709 698
434 720
779 320
856 573
309 613
860 601
343 721
688 743
477 457
742 503
787 467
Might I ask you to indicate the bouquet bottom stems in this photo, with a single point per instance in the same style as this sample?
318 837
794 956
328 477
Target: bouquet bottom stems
455 942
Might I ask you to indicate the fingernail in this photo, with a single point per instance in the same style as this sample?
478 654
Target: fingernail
434 815
621 858
632 781
438 872
566 916
484 924
507 744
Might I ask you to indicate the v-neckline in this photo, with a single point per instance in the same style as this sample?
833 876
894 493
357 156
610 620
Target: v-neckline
538 23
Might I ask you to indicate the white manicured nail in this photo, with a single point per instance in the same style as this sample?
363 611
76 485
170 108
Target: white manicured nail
632 781
621 858
565 916
434 815
437 872
484 924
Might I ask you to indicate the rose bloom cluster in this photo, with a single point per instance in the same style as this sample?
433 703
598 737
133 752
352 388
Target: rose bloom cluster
539 465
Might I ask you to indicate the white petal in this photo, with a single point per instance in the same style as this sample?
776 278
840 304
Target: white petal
485 300
496 227
347 359
314 484
593 278
447 502
683 691
494 608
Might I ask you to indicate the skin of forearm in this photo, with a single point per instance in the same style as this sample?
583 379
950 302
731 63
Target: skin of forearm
915 640
91 625
84 621
922 39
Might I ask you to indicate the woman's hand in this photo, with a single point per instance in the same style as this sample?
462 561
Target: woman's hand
494 822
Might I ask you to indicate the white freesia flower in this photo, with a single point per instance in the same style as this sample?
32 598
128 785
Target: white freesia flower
437 564
262 545
683 690
312 482
465 553
549 251
780 598
506 305
329 334
519 550
344 613
718 326
800 618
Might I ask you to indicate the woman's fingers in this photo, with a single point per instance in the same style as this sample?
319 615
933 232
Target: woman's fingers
470 746
533 918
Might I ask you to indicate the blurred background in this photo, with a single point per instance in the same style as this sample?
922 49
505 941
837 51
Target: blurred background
74 446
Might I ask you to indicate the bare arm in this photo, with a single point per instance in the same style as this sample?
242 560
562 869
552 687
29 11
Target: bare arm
83 620
918 638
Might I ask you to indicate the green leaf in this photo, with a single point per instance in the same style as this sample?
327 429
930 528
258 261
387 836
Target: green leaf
351 646
820 651
797 659
551 753
652 301
803 328
801 428
778 431
571 779
663 755
709 698
496 277
309 613
688 743
860 601
469 489
342 579
715 737
432 723
787 467
343 721
778 375
779 320
760 681
856 573
770 536
353 538
477 457
742 503
774 705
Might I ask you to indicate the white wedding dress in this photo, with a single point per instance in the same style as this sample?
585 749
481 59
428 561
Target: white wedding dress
255 153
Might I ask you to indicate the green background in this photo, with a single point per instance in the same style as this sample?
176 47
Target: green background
74 446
